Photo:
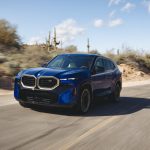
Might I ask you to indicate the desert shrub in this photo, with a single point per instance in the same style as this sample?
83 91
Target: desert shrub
147 56
11 68
131 57
71 49
3 58
8 35
94 52
144 61
126 57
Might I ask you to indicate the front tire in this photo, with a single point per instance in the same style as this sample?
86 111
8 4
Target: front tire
85 101
24 104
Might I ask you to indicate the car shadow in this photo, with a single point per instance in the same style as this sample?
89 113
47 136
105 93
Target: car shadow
103 107
127 105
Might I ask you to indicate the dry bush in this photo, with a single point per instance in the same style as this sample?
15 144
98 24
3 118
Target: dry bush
94 52
29 57
132 58
71 49
8 36
3 58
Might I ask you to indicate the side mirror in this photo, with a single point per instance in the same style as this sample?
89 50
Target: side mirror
44 65
99 69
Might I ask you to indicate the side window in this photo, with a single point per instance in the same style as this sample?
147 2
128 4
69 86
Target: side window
99 66
108 65
112 65
99 62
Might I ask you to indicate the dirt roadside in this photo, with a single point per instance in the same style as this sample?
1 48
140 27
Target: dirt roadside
134 73
5 92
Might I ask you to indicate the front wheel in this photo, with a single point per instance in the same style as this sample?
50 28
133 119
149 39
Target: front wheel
24 104
85 101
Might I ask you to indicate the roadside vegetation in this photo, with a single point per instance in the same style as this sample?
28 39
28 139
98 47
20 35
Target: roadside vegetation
131 57
135 65
15 56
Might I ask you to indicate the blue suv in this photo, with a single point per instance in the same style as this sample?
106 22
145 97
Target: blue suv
71 80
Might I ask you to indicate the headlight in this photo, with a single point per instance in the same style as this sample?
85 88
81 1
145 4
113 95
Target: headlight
65 79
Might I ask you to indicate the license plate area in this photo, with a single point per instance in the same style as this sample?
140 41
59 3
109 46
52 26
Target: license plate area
38 97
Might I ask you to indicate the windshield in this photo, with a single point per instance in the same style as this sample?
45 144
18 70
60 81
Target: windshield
71 61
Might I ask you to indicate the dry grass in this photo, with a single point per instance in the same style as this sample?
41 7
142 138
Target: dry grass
132 58
29 57
34 56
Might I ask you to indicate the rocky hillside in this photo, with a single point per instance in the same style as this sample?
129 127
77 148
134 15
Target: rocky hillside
130 72
133 64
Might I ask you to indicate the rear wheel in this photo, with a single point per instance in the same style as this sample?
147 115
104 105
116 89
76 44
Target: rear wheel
84 102
115 96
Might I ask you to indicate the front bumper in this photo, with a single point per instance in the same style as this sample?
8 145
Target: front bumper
63 95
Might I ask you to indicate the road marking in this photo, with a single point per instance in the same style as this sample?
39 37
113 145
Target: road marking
8 103
6 93
89 132
94 129
136 83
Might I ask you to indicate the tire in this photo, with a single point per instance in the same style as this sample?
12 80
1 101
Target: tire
24 105
115 96
84 102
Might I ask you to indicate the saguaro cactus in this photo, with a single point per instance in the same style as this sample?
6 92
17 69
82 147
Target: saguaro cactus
88 45
118 51
55 39
49 42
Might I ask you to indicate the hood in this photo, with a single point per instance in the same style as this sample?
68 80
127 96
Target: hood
59 73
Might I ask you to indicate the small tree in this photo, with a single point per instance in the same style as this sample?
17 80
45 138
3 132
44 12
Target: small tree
8 35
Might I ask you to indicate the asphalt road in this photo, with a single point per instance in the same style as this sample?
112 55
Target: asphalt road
109 126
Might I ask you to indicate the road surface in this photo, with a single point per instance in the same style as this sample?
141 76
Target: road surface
109 126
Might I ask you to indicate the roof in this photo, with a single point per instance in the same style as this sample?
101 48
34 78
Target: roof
86 54
81 54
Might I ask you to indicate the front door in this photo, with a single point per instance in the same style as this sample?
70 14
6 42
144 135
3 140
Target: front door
98 78
109 74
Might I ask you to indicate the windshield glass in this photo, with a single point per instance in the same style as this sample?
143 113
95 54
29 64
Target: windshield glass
71 61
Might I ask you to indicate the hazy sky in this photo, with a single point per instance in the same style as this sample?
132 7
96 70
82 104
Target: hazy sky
108 23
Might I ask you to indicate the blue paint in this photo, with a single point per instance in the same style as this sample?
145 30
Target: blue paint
16 90
71 78
66 97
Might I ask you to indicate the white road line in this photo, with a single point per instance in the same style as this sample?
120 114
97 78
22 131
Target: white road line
136 83
89 132
94 129
3 94
8 104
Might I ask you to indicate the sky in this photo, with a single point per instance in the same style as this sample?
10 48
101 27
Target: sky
109 24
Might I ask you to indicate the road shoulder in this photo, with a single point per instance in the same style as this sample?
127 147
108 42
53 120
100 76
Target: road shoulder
5 92
136 83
